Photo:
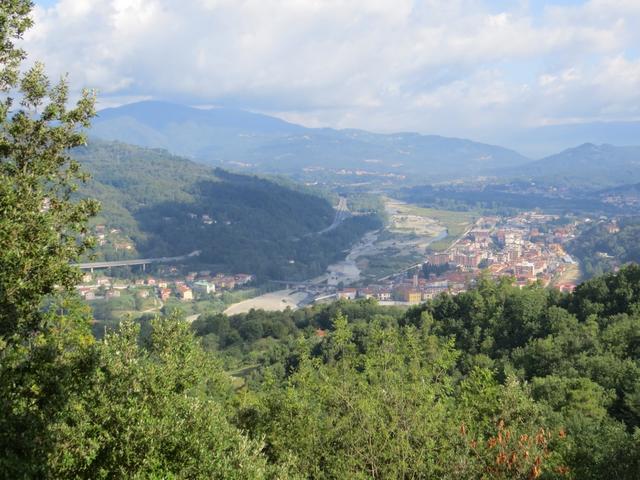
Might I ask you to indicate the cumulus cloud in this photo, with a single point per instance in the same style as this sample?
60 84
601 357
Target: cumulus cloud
463 67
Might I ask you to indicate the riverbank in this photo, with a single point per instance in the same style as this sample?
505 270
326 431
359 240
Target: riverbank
273 302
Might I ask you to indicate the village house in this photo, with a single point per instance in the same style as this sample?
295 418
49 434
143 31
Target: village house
382 294
408 294
347 293
525 270
366 293
185 293
438 259
204 287
225 282
243 278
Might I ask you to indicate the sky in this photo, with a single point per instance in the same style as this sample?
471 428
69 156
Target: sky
466 68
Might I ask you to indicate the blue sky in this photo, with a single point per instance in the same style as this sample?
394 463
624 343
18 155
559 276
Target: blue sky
454 67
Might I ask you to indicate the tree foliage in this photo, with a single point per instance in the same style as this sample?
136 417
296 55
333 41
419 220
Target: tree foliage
72 407
600 251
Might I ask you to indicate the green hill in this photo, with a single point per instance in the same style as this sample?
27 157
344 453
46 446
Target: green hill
588 165
170 206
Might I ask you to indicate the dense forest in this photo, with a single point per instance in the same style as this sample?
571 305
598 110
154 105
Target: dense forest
498 382
601 250
355 389
171 206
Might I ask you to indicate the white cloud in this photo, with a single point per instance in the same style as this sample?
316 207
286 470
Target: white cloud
445 66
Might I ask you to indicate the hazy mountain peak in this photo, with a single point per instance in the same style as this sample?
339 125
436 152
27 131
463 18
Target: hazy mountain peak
158 114
589 164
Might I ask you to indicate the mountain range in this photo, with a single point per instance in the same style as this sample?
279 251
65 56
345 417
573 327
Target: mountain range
252 142
256 142
547 140
587 165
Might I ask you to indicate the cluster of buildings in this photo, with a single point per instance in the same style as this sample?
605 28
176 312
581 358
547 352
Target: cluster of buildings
187 288
623 198
528 247
113 238
402 289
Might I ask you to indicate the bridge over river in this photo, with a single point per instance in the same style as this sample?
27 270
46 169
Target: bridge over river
134 262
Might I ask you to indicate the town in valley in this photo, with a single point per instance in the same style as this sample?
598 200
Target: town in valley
445 257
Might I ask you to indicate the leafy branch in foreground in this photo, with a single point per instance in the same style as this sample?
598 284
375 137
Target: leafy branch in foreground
43 229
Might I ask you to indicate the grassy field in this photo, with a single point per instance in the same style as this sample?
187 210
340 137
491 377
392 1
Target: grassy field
456 223
376 267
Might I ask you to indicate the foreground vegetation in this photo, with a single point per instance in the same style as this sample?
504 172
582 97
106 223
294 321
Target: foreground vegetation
387 393
494 383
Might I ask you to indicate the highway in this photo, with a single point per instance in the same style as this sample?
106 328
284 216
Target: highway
134 262
342 213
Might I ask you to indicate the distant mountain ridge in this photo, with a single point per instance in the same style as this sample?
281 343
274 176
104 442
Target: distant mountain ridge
162 114
240 139
596 166
253 142
544 141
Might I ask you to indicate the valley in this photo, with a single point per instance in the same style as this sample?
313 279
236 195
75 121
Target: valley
319 240
423 252
357 229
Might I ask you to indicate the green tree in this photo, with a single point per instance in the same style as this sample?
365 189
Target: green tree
153 411
73 407
42 228
393 411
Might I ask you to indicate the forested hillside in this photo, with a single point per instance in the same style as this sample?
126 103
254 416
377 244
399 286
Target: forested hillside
497 382
589 166
171 206
601 250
